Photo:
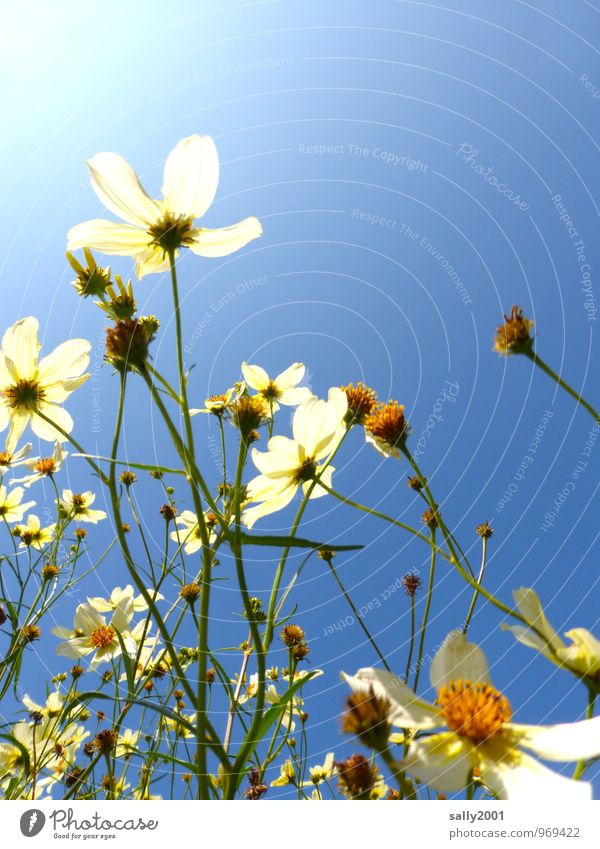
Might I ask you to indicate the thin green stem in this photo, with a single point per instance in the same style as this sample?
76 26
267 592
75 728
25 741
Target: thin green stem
425 620
357 615
412 636
581 765
479 581
537 360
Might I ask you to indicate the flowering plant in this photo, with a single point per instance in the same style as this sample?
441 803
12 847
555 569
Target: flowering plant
146 705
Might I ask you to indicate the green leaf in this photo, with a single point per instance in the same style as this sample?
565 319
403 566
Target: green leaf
143 466
293 542
272 714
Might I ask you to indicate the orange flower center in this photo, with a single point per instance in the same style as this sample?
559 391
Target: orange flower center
476 711
387 423
45 466
102 637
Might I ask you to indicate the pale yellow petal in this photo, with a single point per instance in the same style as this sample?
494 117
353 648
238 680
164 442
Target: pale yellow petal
20 346
116 184
225 240
109 237
191 176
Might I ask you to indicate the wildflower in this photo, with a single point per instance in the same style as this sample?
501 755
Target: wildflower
157 227
218 404
248 413
32 535
411 583
358 779
386 428
127 743
256 789
30 389
287 774
128 477
180 728
514 336
91 279
362 401
52 708
31 633
50 571
367 717
190 592
77 506
282 389
428 518
291 463
122 596
168 512
105 741
292 635
43 467
189 534
128 341
91 634
480 733
322 772
415 483
484 530
581 656
11 507
10 459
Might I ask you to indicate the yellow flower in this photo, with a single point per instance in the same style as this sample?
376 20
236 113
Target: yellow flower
582 656
42 467
12 508
480 735
156 227
30 389
77 506
282 389
33 535
318 427
287 775
189 535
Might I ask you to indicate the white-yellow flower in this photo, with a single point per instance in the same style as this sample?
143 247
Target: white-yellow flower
480 733
119 596
179 728
127 743
43 467
91 634
282 389
52 708
218 404
77 506
287 774
156 227
10 459
320 773
318 427
189 534
30 389
12 508
581 656
32 535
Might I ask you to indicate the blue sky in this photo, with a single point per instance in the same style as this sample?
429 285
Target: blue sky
353 132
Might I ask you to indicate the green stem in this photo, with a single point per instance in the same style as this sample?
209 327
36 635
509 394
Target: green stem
357 615
372 512
426 612
412 636
581 765
537 360
479 580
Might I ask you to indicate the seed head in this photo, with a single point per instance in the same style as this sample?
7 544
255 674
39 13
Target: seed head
514 336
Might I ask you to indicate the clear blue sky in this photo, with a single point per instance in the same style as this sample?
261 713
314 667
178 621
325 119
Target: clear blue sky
345 128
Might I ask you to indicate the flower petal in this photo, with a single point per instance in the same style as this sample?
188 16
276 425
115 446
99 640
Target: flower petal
109 237
67 360
407 709
516 775
456 659
255 376
225 240
444 761
291 376
530 607
191 176
116 184
251 515
56 414
21 346
566 741
295 396
152 261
